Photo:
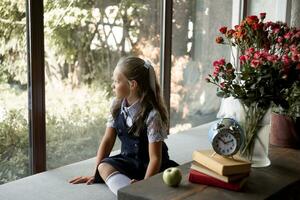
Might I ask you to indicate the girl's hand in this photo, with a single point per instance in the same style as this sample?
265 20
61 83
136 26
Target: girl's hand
133 181
83 179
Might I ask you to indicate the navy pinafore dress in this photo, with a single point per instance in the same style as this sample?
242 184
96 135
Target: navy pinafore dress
134 157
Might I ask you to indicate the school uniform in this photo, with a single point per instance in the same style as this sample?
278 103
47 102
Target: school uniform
134 157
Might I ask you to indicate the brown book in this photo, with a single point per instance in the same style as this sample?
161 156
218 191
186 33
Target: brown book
228 179
222 165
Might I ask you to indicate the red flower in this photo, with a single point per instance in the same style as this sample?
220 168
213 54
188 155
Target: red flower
255 63
223 29
229 33
262 16
252 20
240 32
257 26
219 40
243 58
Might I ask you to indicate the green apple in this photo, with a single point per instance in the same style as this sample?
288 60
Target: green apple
172 176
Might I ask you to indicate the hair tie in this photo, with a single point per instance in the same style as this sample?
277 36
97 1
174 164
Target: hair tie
152 77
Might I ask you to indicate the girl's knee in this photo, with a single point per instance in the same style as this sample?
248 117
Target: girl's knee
102 167
105 169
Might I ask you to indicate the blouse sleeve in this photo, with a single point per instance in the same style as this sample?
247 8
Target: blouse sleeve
110 120
156 130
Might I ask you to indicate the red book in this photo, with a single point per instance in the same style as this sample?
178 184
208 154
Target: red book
197 177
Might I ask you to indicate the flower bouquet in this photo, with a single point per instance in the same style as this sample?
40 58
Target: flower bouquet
268 68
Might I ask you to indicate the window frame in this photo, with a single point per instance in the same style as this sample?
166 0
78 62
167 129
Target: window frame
36 73
36 85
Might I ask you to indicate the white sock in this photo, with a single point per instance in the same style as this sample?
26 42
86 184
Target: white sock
116 180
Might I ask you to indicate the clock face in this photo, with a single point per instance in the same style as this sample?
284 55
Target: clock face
224 143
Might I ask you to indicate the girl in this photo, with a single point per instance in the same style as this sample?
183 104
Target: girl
139 118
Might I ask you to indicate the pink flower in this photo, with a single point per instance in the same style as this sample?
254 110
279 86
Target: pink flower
257 55
288 35
293 47
215 74
276 30
255 63
216 63
222 61
265 53
295 57
279 39
272 58
249 51
217 69
285 59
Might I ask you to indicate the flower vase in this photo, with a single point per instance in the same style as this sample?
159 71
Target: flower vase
260 152
255 123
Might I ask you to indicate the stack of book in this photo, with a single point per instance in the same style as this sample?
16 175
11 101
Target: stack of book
215 170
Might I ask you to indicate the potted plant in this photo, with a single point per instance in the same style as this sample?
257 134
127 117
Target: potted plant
285 123
268 66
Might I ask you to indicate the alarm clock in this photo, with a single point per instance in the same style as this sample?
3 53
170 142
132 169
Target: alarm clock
226 137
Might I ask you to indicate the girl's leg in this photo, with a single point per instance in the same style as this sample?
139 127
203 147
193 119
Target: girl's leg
105 170
113 178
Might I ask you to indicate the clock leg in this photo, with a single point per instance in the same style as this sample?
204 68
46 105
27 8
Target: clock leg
212 155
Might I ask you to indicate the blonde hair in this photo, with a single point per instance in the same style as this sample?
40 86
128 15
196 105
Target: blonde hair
134 68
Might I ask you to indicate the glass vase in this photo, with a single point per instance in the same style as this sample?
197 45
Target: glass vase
256 125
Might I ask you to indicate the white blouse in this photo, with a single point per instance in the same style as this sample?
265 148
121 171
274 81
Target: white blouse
156 130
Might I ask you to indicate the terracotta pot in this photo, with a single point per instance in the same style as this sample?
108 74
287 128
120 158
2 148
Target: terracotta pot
284 131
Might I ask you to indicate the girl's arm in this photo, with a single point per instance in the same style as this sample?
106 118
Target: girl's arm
155 154
106 145
104 150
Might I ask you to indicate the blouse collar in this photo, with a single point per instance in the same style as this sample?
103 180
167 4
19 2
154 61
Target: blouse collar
130 110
